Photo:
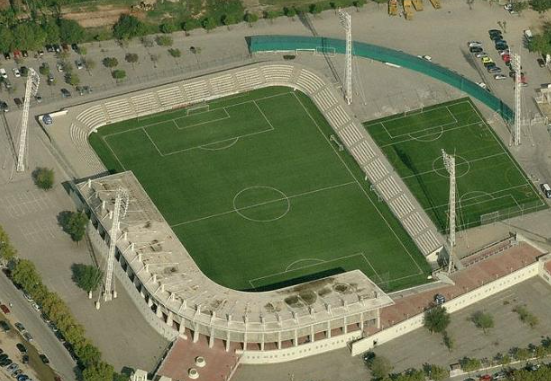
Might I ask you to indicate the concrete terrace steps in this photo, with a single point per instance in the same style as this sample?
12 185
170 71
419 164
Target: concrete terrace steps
329 101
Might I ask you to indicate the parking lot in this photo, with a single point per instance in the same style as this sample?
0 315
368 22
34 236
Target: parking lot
19 357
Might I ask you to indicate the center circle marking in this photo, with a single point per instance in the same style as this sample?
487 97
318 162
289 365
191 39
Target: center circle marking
282 198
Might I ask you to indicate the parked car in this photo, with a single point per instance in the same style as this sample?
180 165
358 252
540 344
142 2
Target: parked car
57 48
483 85
79 64
3 307
28 297
16 72
495 34
500 76
28 336
7 56
474 43
481 54
476 49
501 45
65 93
20 327
541 62
76 48
494 70
50 48
51 79
487 61
59 67
4 326
509 8
3 73
21 348
25 359
25 53
44 359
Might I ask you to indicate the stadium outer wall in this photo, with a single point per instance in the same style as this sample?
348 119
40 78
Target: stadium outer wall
261 335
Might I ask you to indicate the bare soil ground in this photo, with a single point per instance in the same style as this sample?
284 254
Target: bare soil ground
102 15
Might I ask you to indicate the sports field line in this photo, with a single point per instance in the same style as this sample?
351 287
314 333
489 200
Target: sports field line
493 195
321 262
113 152
457 165
496 138
359 185
234 210
422 111
455 121
152 142
201 123
444 131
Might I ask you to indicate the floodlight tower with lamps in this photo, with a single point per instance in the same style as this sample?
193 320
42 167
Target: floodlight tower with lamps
518 98
449 164
118 213
31 89
346 22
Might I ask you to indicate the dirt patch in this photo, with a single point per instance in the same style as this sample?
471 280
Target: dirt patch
102 15
4 4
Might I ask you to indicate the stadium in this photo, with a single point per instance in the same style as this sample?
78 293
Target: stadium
254 211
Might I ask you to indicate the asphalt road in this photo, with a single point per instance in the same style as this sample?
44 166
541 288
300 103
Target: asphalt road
44 338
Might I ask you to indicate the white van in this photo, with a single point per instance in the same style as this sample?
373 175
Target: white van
3 73
546 189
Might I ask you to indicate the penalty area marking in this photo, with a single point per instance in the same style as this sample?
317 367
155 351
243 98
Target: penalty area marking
230 144
319 262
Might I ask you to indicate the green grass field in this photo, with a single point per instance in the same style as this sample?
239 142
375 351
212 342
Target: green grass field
259 195
490 182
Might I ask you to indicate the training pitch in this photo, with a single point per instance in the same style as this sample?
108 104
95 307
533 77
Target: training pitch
259 193
491 186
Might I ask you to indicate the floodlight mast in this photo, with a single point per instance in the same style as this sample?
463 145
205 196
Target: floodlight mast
346 22
518 97
449 164
119 212
31 89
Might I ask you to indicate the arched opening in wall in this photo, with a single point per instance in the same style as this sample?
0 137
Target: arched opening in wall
320 336
164 317
303 340
337 331
286 344
219 345
270 346
154 307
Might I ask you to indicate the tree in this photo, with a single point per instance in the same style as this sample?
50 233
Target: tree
86 277
44 69
436 319
28 36
521 354
6 39
118 74
110 62
74 223
100 371
128 27
131 58
52 32
168 27
314 9
70 31
208 23
540 43
270 15
435 372
290 12
164 40
380 366
176 53
229 20
190 25
540 6
72 79
525 316
469 364
88 354
7 251
250 18
482 320
43 178
519 6
24 273
358 3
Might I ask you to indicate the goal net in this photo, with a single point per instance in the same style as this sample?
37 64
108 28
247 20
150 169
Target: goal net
197 108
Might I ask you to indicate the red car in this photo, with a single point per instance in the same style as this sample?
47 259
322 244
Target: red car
5 309
486 377
506 58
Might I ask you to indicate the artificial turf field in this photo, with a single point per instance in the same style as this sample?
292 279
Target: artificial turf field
259 195
490 184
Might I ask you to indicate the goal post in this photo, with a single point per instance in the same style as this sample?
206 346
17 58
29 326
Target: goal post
198 108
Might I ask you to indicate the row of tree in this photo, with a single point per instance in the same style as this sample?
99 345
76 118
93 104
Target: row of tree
34 34
381 369
24 273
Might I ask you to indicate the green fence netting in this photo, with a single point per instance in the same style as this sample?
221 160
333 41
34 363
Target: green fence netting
379 53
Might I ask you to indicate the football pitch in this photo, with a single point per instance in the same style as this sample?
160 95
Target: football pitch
260 195
491 186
